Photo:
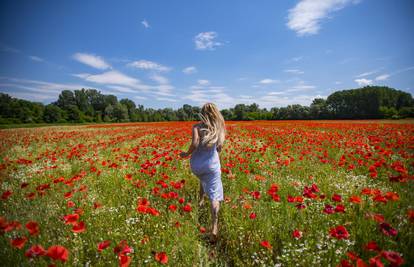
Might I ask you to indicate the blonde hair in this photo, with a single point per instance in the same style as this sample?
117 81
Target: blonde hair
215 131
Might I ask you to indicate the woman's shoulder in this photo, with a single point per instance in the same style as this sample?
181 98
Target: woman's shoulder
198 125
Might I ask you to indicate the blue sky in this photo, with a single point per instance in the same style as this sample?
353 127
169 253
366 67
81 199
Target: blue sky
167 53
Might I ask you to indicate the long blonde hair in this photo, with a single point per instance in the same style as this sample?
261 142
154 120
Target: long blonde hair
214 131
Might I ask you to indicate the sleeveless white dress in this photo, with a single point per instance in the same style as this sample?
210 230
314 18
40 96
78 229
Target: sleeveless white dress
205 164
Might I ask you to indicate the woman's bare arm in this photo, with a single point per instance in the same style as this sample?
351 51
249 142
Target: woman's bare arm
194 142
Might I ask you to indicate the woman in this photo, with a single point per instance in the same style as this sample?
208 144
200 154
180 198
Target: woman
207 140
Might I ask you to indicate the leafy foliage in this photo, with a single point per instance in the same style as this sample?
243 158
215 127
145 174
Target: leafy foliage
90 105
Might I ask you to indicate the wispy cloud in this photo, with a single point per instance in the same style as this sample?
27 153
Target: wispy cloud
34 89
382 77
35 58
306 17
300 86
275 99
139 97
91 60
294 59
203 82
294 71
166 99
159 79
368 73
190 70
145 24
269 81
206 41
8 49
113 77
363 82
148 65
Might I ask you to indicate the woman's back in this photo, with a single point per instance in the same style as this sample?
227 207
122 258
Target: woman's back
204 158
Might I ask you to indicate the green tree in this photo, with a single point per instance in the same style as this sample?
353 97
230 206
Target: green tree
52 114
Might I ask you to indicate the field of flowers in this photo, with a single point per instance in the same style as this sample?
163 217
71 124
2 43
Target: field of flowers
297 193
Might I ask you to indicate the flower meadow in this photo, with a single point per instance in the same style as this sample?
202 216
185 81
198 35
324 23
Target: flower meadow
297 193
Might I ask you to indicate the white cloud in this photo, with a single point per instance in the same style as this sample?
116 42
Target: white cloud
35 90
268 81
206 41
276 93
363 82
306 17
38 59
166 99
294 59
159 79
145 24
280 100
114 77
91 60
190 70
121 89
203 82
300 86
148 65
368 73
139 97
382 77
294 71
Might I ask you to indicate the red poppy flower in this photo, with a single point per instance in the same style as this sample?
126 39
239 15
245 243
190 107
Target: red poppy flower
252 215
345 263
187 208
255 194
393 257
172 207
78 227
161 257
376 261
410 215
339 232
266 244
386 229
355 199
378 217
328 209
33 227
297 234
372 246
68 194
58 253
6 194
18 242
103 245
97 205
71 218
123 248
340 208
124 260
35 251
336 198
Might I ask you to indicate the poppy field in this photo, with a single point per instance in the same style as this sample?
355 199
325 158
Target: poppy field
297 193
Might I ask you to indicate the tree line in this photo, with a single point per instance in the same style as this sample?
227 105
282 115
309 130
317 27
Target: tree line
90 105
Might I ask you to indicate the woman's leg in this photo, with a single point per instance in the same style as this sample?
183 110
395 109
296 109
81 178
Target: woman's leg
215 207
201 196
